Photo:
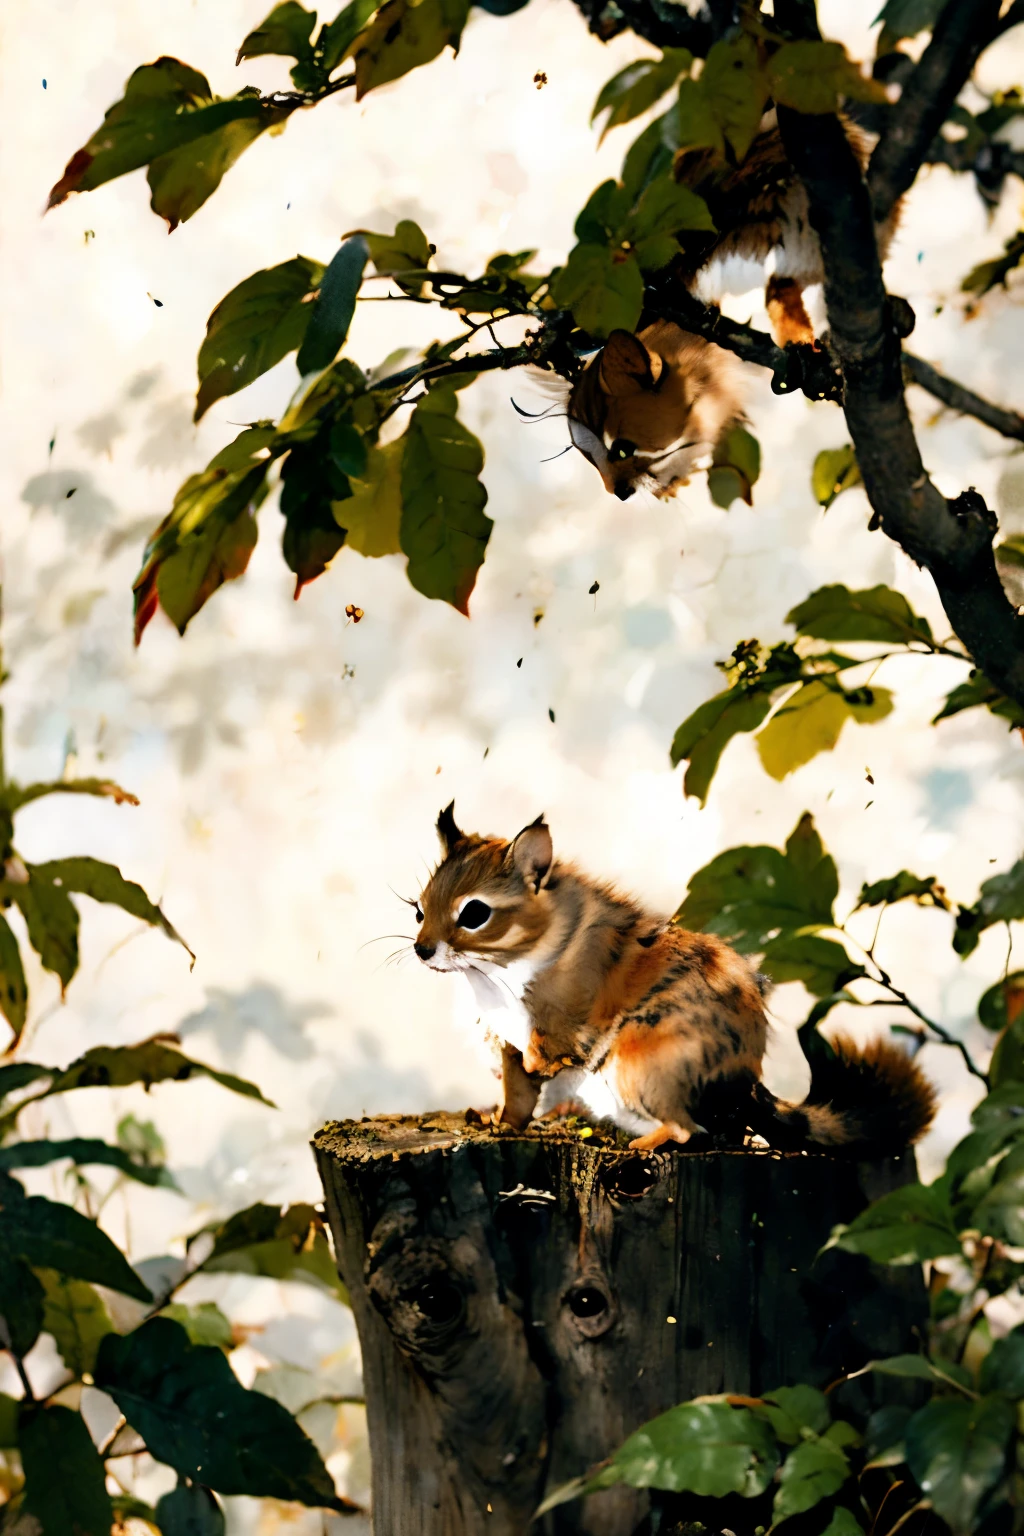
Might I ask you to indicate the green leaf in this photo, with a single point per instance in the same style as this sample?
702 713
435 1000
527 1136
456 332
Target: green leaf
52 922
1003 1106
991 274
54 1236
603 288
1002 1369
1010 551
635 89
1001 900
664 209
957 1453
190 1510
194 1415
1003 1003
260 321
835 470
181 181
13 988
336 39
823 965
204 1323
313 485
843 1523
813 76
82 1150
792 1410
920 1368
285 31
117 1066
649 155
735 468
906 1226
906 18
813 1471
206 539
751 895
444 530
402 36
20 1074
75 1317
735 89
74 1502
84 876
8 1422
979 691
876 613
405 252
334 307
13 796
166 106
21 1302
373 513
704 735
1001 1213
281 1245
926 892
811 720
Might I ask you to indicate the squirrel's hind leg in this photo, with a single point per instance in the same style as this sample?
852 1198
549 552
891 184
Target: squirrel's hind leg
667 1130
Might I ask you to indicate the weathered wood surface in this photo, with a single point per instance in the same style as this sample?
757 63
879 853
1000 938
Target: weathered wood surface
526 1299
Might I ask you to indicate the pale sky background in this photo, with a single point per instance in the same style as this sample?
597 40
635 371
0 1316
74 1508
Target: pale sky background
291 765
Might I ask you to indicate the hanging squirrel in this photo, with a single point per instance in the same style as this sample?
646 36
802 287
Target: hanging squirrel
649 409
658 1030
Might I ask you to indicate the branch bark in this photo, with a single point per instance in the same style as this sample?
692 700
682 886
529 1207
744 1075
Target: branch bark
959 398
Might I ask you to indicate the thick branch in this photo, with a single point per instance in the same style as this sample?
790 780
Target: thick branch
952 540
664 23
960 33
1009 423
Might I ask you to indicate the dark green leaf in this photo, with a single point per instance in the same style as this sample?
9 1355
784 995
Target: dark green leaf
312 488
402 36
979 691
21 1302
1001 901
205 540
406 252
285 31
1007 1064
13 990
190 1510
8 1422
636 88
1003 1106
166 105
337 38
813 1044
751 895
85 876
1001 1213
181 182
927 892
812 1472
704 735
823 965
920 1368
957 1453
877 613
334 307
990 274
204 1323
906 18
791 1410
905 1227
835 470
54 1236
813 76
282 1245
1002 1369
735 468
194 1415
74 1502
603 288
444 530
52 922
75 1317
82 1150
253 327
811 720
649 155
843 1523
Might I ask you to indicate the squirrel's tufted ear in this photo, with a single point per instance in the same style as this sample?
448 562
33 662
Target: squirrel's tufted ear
627 367
447 831
531 852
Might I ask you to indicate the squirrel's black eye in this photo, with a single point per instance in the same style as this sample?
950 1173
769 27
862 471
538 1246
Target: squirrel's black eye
419 915
474 914
622 448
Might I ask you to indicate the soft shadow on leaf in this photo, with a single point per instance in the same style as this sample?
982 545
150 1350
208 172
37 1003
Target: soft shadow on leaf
813 1471
823 965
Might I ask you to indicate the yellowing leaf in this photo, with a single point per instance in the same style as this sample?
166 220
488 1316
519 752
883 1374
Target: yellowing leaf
373 513
404 35
734 86
835 470
813 76
76 1318
810 722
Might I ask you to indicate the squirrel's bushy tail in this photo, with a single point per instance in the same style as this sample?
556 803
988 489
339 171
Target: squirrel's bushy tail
869 1101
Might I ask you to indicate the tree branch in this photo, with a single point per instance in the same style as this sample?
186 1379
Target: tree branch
951 539
962 30
958 398
664 23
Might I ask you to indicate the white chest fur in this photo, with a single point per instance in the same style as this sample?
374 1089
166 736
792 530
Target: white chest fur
498 992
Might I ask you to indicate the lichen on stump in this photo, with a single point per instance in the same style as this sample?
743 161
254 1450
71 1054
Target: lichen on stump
526 1299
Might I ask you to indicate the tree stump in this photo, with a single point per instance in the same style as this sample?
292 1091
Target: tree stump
525 1300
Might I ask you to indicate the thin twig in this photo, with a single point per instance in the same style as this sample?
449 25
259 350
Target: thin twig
19 1366
959 398
295 99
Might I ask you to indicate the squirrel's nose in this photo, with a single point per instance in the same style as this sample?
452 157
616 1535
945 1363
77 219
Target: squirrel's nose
624 490
425 951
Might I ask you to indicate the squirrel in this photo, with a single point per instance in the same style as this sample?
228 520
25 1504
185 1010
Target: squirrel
649 409
658 1030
